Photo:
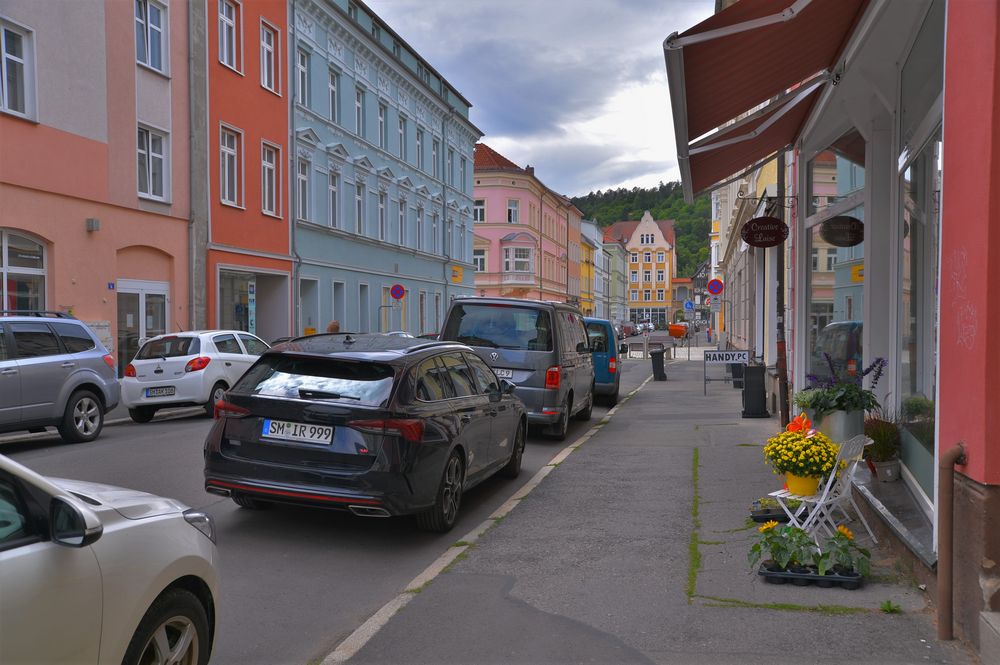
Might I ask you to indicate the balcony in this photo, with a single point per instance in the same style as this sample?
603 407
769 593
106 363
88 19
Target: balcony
506 279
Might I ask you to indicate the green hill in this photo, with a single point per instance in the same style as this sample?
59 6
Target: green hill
692 223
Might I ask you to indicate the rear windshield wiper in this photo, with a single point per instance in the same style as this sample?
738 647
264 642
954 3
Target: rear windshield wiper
322 394
477 341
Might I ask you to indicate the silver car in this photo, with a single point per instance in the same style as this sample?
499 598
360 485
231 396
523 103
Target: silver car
541 347
54 372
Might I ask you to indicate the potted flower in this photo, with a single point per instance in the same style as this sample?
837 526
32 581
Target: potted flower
838 401
803 454
843 556
883 453
787 547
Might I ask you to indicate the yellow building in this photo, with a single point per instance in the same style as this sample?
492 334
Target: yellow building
651 267
587 252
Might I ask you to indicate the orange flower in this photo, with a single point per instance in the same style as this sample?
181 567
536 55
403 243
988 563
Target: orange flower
800 424
847 532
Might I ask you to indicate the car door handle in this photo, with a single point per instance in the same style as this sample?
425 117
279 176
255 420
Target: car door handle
465 418
8 372
493 413
228 364
68 365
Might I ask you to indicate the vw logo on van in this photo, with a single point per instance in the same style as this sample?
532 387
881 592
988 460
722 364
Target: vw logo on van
494 356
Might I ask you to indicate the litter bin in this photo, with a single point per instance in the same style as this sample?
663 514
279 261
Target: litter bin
754 394
659 373
736 369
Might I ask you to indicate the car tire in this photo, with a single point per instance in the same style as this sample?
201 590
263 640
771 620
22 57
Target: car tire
612 399
558 431
513 466
218 390
587 412
443 514
83 418
250 503
142 414
178 620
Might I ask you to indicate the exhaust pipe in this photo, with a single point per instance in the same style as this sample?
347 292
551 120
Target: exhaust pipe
369 511
221 491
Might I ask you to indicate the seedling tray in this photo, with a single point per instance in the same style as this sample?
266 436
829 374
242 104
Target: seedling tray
768 514
849 581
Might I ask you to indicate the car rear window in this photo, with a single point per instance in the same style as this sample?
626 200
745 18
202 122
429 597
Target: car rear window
311 378
598 334
500 326
169 347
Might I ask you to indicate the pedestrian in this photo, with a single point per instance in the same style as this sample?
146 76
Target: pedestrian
333 326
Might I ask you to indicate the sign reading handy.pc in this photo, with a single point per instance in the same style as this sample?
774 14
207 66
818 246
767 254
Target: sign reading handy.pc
722 357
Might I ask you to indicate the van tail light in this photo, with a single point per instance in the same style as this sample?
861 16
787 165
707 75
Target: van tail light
110 361
197 364
553 377
224 409
130 370
410 429
612 365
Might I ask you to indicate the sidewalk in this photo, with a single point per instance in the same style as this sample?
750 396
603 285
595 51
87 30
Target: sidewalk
633 550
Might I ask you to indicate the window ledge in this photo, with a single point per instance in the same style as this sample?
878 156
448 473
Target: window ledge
154 199
19 116
230 68
272 215
153 70
230 204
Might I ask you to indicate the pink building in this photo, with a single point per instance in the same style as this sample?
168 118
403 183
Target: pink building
527 237
95 162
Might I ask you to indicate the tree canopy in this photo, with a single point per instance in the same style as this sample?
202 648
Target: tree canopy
692 223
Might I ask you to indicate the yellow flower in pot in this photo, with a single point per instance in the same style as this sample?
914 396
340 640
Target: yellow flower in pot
803 454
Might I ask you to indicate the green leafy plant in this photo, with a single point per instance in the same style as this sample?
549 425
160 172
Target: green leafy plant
768 503
841 550
782 544
840 390
890 607
885 436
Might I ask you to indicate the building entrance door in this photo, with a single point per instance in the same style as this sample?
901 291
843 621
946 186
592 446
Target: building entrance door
142 313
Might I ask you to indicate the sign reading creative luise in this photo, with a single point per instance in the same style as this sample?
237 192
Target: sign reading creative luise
764 232
843 231
717 357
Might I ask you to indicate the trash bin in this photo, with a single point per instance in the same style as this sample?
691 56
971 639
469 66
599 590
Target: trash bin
659 372
736 369
754 394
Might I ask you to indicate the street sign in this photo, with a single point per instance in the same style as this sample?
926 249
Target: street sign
397 291
688 306
715 287
716 305
708 300
722 357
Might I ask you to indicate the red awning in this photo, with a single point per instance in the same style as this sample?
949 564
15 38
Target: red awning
745 79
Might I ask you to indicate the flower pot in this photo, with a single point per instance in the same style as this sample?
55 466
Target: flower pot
887 472
801 485
842 425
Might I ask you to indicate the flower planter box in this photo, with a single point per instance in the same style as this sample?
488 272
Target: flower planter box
807 575
768 515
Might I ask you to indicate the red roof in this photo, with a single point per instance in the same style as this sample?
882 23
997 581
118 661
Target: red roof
624 230
488 159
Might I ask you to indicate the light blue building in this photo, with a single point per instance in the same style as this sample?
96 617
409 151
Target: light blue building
380 178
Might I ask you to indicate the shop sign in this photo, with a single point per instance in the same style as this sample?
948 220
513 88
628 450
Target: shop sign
457 274
725 357
843 231
764 232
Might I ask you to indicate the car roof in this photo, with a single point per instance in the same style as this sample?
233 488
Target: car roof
514 302
363 346
199 333
594 319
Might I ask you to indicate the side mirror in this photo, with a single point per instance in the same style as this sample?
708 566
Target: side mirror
582 348
507 387
72 525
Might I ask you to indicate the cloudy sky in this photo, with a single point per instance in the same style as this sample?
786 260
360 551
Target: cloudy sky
576 88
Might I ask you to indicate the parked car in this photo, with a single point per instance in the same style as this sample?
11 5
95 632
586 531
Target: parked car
399 333
604 350
540 346
373 424
54 371
99 574
842 340
187 369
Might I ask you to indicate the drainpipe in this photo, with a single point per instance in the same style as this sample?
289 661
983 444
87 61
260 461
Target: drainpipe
292 173
443 231
946 499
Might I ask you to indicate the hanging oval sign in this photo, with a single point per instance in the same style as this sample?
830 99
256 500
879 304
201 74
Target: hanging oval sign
843 231
764 232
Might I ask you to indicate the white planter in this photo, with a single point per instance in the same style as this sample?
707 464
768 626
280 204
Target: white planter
842 425
887 472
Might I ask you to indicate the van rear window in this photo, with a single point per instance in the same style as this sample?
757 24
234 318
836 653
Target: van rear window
500 326
365 383
169 347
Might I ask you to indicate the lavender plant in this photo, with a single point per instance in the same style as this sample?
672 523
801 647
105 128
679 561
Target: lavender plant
841 391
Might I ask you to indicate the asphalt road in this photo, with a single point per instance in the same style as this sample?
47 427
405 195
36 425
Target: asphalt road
295 582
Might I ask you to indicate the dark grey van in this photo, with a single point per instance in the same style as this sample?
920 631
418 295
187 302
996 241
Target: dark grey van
540 346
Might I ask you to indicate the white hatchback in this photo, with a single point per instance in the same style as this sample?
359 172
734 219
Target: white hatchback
99 574
187 369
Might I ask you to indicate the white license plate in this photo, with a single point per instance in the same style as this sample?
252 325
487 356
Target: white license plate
282 429
503 373
162 391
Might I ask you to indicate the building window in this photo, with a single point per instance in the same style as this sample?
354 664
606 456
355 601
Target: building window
420 149
382 198
22 272
435 238
152 162
517 259
659 295
461 174
831 260
268 49
815 259
16 76
359 209
646 294
149 41
513 211
376 33
659 275
634 257
230 173
334 196
461 242
634 276
302 184
383 130
647 276
333 85
647 257
397 50
435 150
402 138
402 223
450 167
302 76
359 112
479 210
228 35
449 238
437 311
420 228
269 179
660 257
352 11
633 294
479 259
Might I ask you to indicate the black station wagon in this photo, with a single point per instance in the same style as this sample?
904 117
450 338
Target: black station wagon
373 424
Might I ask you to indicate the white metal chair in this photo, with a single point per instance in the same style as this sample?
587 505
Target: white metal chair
817 512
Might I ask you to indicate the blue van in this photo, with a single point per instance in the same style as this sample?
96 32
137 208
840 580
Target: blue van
604 349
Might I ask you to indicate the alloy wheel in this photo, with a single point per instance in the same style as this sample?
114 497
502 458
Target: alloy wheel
451 493
86 415
174 642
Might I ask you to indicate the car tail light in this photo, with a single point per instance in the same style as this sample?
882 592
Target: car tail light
197 364
130 370
110 361
553 377
612 365
411 429
224 409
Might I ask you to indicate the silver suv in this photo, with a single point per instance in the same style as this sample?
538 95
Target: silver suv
54 372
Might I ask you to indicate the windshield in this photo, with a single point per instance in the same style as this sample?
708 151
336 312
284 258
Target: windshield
312 378
169 347
500 326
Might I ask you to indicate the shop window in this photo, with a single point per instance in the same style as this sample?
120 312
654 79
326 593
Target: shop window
23 266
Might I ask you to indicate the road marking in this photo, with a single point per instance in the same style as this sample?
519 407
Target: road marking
366 631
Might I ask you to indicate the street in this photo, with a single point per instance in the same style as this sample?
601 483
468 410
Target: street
295 582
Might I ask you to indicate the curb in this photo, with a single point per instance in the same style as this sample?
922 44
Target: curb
367 630
180 412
